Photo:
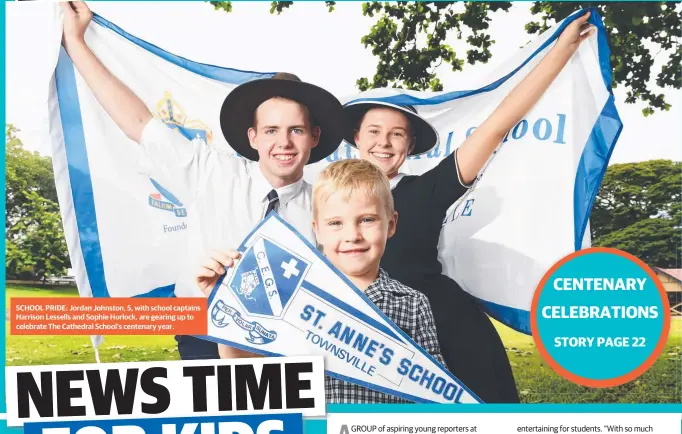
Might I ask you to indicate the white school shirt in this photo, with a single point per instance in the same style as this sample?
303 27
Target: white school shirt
226 196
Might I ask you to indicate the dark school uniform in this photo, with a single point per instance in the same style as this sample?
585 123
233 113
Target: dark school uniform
409 310
471 346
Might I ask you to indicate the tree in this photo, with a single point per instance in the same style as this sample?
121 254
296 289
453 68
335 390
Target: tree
25 171
638 210
656 241
36 246
409 40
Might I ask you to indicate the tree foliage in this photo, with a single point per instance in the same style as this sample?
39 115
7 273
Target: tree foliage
25 172
639 210
637 33
35 238
409 40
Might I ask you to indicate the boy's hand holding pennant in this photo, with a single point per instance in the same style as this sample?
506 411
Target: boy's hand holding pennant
282 297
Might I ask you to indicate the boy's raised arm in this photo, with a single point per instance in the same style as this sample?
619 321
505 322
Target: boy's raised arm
125 108
476 150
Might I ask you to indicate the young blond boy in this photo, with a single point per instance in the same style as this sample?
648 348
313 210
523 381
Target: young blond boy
353 217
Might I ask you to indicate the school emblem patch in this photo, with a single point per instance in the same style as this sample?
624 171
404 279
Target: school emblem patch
267 278
165 200
171 113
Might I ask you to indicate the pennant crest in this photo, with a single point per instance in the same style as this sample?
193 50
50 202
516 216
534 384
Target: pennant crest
267 278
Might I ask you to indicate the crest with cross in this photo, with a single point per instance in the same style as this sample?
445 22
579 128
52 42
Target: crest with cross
272 274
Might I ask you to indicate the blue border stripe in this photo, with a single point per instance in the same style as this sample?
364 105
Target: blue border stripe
600 144
79 174
517 319
160 292
592 166
348 308
226 75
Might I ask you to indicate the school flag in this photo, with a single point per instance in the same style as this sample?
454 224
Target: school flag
126 224
284 298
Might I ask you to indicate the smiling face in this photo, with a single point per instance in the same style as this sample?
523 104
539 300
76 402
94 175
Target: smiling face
353 230
384 138
353 216
283 136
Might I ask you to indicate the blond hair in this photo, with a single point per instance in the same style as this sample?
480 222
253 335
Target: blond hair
350 176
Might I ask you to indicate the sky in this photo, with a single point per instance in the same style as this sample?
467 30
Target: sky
320 47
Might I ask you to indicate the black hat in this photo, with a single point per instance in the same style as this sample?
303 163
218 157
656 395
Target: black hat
236 115
426 136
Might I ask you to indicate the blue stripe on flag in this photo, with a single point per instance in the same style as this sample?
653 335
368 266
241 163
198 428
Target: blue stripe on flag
226 75
79 174
160 292
592 166
518 319
600 144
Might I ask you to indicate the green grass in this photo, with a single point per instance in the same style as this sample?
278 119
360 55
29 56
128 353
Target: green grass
535 380
14 291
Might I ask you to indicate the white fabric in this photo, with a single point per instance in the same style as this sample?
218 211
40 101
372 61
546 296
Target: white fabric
526 210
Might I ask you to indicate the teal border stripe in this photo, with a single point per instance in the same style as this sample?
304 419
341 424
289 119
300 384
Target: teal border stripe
3 403
314 426
504 408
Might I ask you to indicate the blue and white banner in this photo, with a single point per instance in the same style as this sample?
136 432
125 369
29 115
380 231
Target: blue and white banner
126 223
284 298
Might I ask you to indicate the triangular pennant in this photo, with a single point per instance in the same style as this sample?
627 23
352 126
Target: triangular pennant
284 298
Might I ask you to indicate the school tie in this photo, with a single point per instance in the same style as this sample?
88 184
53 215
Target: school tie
273 200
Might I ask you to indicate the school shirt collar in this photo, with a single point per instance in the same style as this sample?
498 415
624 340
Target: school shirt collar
262 187
395 180
376 289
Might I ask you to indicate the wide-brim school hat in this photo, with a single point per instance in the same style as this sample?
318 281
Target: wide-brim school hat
426 136
236 114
